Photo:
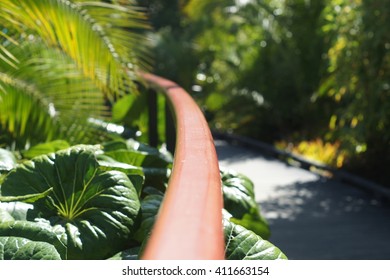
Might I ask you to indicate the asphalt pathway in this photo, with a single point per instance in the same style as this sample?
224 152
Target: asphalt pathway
311 217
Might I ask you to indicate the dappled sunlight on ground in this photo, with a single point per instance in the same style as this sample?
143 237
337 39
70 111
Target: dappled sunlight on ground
313 217
319 198
328 220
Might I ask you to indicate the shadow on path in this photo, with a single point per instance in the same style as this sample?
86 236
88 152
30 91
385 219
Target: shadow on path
312 218
327 220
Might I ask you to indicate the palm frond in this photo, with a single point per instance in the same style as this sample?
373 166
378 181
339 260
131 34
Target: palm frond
20 105
124 25
99 37
48 84
60 61
27 118
5 54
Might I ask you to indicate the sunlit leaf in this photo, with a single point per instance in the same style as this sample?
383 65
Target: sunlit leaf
96 209
17 248
242 244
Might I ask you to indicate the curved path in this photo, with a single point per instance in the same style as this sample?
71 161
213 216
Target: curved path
312 217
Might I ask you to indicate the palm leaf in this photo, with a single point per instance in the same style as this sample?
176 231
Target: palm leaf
60 62
48 85
124 25
99 37
16 96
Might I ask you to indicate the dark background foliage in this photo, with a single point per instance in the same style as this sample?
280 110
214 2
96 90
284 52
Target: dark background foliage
289 72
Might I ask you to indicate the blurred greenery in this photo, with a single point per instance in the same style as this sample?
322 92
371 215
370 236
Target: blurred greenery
310 75
62 66
293 71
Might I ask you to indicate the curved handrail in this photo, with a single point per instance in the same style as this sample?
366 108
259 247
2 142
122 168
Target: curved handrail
189 223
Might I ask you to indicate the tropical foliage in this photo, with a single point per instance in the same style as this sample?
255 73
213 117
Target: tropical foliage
101 201
288 70
62 64
68 68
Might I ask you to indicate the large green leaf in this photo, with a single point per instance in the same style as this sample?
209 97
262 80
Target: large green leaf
34 231
149 209
239 201
243 244
138 158
96 208
162 158
154 163
17 248
45 148
135 173
155 167
245 184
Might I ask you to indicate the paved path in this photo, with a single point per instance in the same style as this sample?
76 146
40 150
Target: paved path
312 217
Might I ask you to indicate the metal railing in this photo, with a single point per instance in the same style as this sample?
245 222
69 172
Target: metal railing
189 223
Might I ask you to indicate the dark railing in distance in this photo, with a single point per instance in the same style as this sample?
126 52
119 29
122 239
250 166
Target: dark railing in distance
152 118
153 135
189 223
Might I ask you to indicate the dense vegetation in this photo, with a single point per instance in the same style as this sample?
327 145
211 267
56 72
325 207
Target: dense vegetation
101 201
311 75
72 186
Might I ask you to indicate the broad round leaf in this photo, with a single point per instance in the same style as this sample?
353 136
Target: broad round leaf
34 231
45 148
243 244
96 208
150 206
17 248
155 164
245 182
239 201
